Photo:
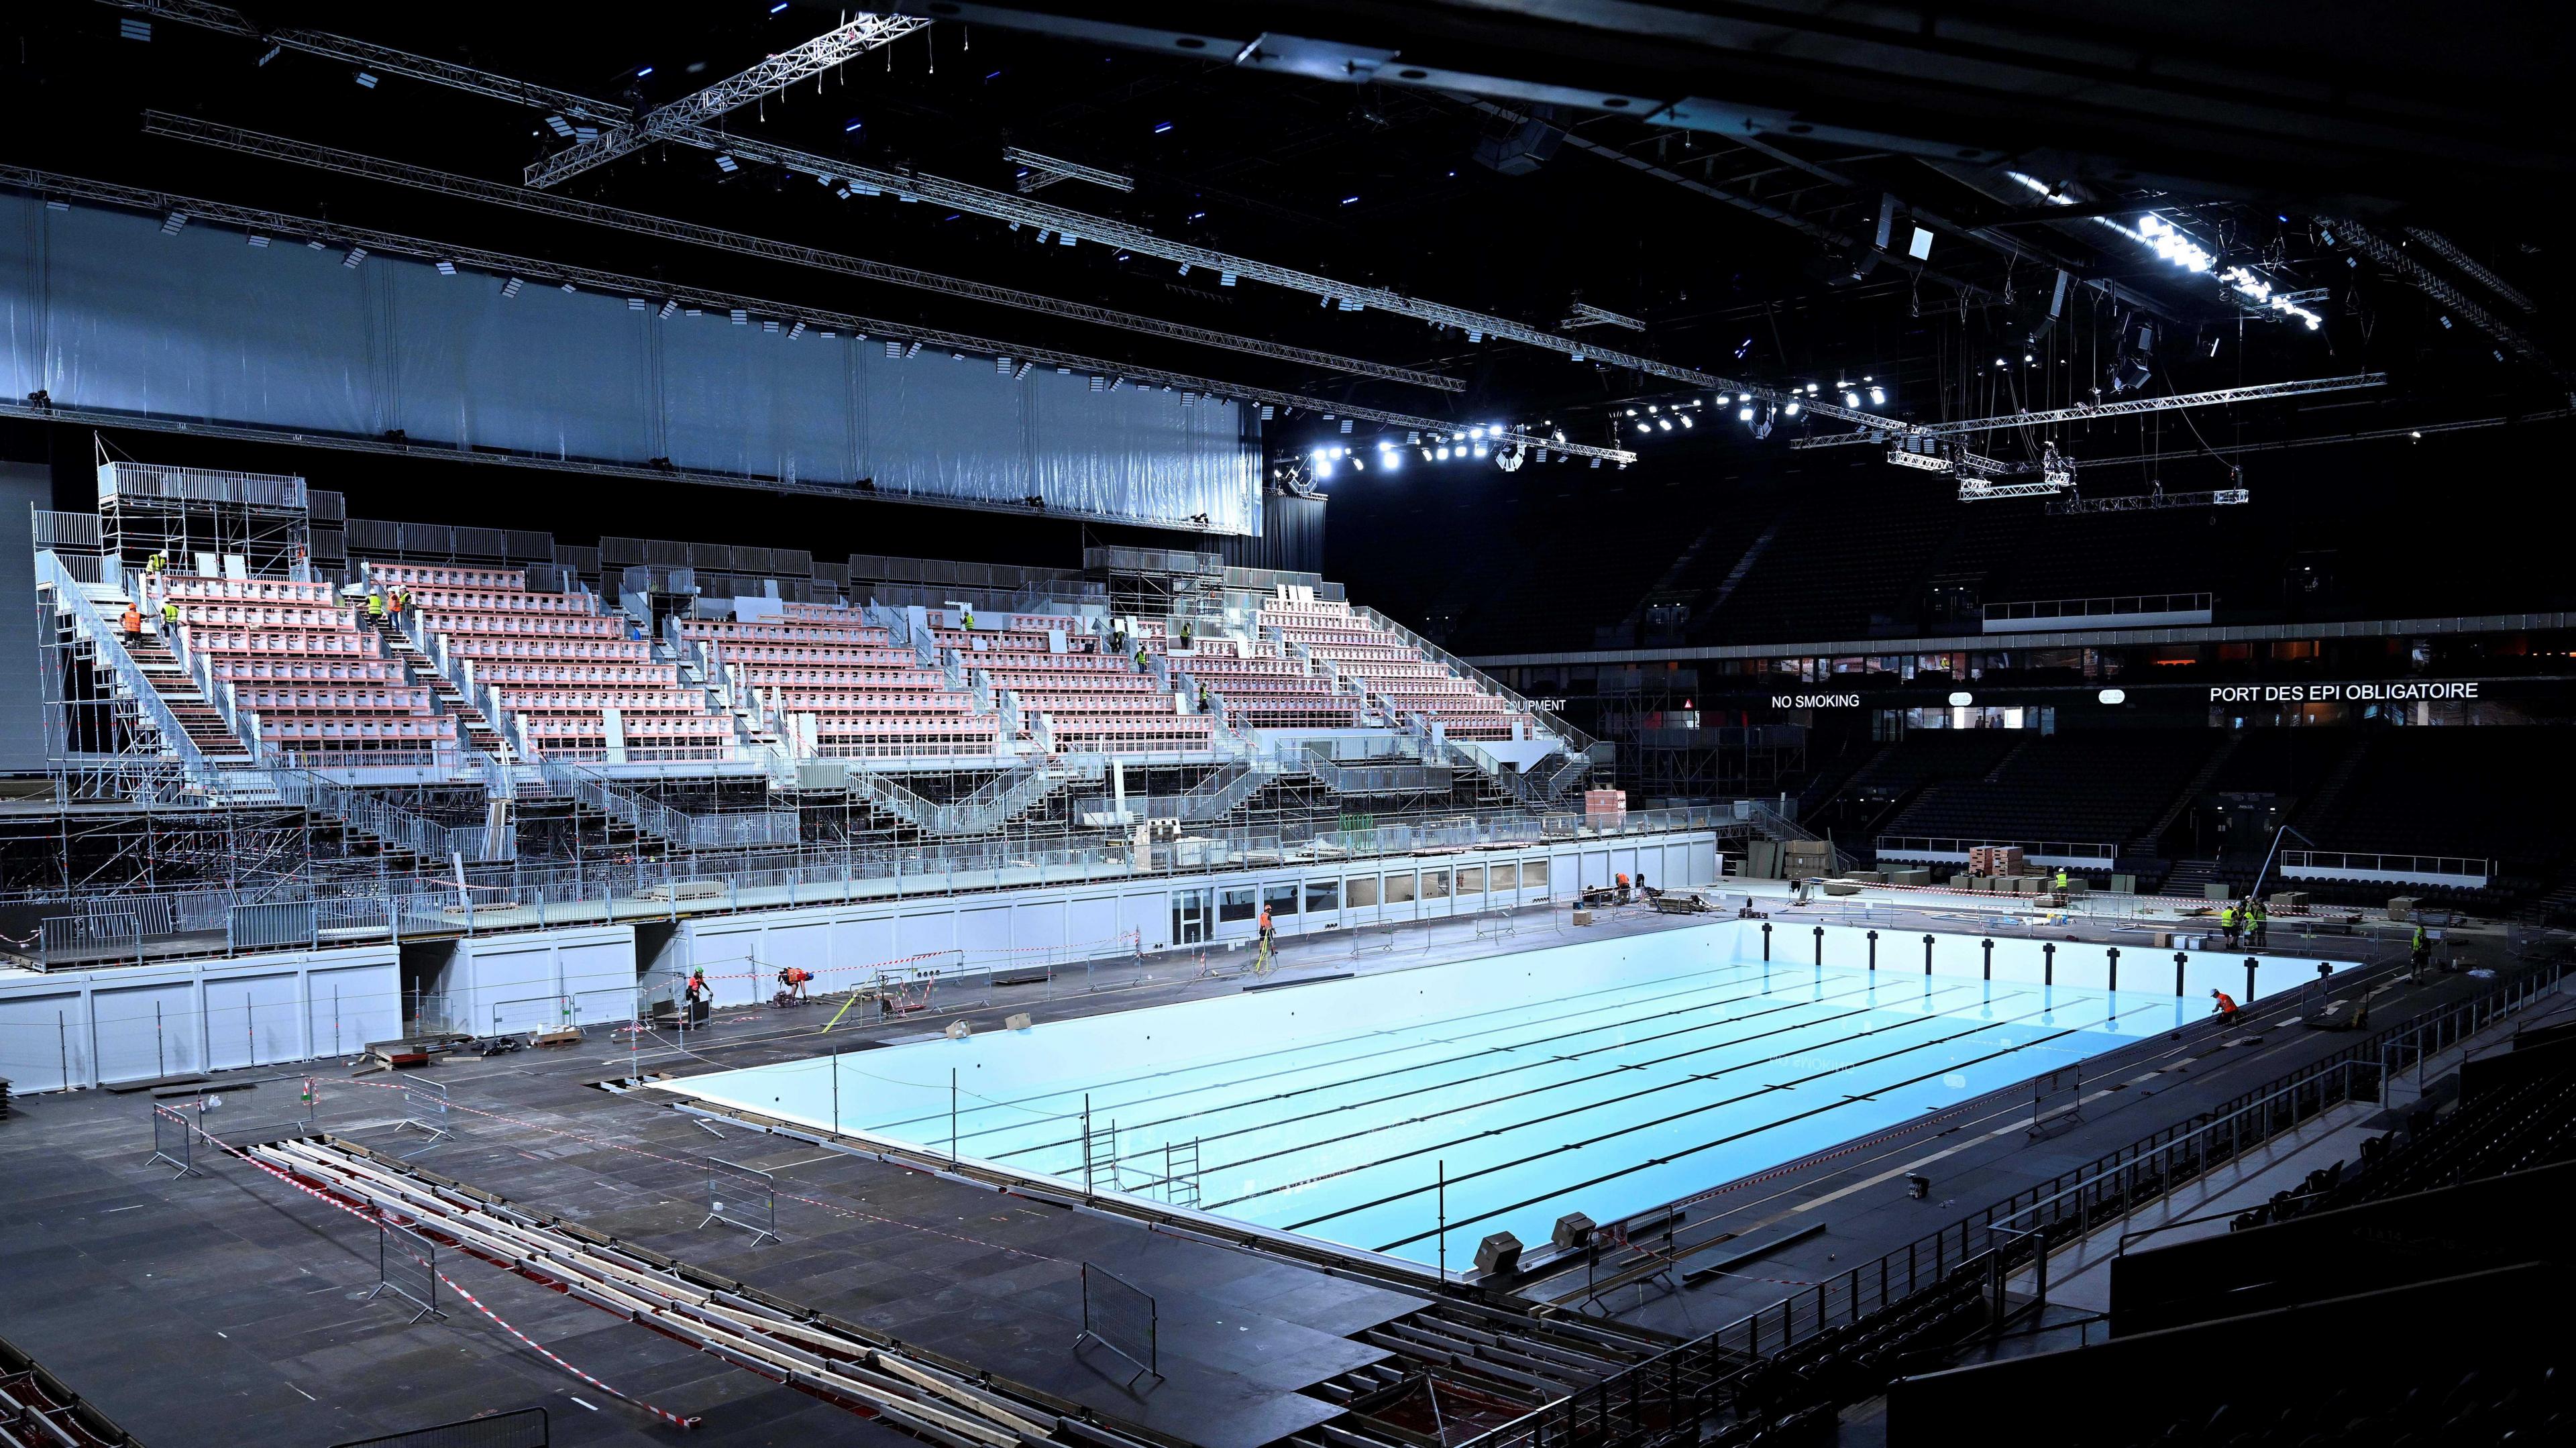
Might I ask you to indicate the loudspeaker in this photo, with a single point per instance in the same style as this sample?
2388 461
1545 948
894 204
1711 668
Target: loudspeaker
1572 1230
1498 1253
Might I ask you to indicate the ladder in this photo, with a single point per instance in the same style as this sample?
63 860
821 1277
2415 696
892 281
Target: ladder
1181 1172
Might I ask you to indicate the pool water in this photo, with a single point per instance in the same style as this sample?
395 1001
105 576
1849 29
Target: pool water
1494 1094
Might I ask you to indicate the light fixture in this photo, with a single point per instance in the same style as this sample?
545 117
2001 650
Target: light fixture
1744 414
1444 452
1877 396
365 81
1789 409
1664 423
1687 422
1962 700
2113 696
510 288
1481 450
1357 466
1851 399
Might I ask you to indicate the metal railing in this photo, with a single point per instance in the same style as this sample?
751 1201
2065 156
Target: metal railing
2420 866
716 831
108 646
2095 607
991 805
1575 739
199 485
425 838
2031 849
1688 1384
516 897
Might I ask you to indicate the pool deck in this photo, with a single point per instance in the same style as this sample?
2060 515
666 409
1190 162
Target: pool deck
221 1308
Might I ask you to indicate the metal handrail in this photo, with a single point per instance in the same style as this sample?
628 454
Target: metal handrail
195 769
1575 739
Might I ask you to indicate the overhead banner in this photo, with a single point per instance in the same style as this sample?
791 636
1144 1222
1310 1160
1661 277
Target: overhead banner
108 311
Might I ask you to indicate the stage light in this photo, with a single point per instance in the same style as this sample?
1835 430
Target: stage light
1744 414
1391 461
1877 396
1851 399
913 348
668 308
1687 422
2113 696
510 288
1357 466
1481 450
1444 453
1337 452
1632 412
1789 410
365 81
1665 423
170 227
258 242
727 164
1475 432
1324 469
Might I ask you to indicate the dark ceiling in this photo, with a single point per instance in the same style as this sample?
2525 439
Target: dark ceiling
1733 204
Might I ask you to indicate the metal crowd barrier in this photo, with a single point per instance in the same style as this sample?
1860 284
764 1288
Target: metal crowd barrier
1119 1316
744 1197
407 1266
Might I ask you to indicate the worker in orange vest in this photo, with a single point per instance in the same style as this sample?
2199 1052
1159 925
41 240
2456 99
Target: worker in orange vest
794 978
133 622
2225 1010
1623 887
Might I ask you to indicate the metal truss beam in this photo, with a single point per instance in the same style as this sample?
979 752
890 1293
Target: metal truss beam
1047 170
2150 502
352 163
841 43
619 284
2122 407
229 21
2352 234
2467 266
1001 206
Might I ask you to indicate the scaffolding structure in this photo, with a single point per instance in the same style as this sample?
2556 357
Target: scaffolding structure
158 789
262 519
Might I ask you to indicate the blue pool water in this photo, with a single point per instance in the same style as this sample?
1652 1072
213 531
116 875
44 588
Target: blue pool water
1605 1077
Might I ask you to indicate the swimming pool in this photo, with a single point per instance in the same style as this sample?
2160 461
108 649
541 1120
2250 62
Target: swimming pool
1606 1077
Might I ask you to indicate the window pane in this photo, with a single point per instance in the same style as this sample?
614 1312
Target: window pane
1534 874
1323 895
1363 891
1471 879
1282 899
1435 884
1234 903
1506 877
1399 889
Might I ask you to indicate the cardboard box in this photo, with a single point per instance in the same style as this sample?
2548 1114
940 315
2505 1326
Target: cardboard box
2401 907
2124 884
2216 891
2287 900
1909 877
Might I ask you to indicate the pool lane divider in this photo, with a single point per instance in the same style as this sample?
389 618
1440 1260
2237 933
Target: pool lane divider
1159 1091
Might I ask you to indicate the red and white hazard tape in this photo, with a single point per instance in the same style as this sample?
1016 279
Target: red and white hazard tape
701 1166
376 1218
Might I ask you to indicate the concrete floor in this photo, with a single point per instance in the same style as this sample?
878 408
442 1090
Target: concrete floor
224 1308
